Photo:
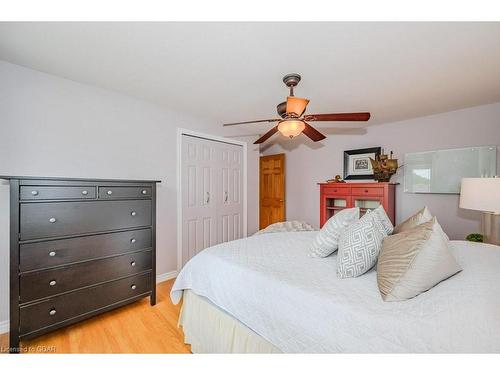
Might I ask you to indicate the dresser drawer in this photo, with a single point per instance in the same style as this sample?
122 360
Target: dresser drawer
46 254
370 191
57 192
337 191
67 306
41 220
117 192
37 285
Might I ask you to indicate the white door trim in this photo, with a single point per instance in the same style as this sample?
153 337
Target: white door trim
180 133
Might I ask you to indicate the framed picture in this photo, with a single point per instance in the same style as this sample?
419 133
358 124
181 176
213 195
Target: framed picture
357 164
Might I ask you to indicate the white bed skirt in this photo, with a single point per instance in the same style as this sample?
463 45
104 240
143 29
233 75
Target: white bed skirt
208 329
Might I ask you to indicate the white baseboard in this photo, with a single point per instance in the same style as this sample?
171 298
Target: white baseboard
4 326
166 276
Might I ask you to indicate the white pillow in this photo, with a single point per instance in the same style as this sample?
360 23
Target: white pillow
327 240
359 246
287 226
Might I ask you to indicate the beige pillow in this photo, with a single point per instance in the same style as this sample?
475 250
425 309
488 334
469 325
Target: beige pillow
420 217
414 261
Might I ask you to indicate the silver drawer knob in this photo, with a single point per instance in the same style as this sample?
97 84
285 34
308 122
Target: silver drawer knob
52 254
109 192
52 312
132 263
52 283
52 219
144 192
133 240
133 213
85 192
133 287
34 192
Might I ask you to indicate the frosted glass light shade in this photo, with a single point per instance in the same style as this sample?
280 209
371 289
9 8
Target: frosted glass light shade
291 128
481 194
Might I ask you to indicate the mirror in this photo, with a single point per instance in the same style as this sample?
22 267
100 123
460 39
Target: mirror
441 171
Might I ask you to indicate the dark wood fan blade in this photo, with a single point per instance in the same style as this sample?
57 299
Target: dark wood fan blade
266 136
251 122
312 133
357 116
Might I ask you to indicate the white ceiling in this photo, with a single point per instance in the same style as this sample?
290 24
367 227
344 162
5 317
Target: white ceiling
229 72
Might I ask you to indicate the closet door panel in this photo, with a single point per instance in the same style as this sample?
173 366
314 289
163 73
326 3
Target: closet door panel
230 209
198 166
212 194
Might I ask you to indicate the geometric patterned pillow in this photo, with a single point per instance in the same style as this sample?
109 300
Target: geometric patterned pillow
359 247
382 217
327 239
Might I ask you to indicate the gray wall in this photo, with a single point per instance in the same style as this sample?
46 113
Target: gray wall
308 163
50 126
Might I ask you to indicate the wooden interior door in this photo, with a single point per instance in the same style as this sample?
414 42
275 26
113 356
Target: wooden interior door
272 189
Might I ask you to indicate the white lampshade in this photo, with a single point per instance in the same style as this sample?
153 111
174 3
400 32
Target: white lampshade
481 194
291 128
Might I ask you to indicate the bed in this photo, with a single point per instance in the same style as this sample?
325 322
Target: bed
265 294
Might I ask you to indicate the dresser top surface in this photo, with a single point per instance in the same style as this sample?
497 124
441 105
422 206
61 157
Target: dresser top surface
357 184
75 179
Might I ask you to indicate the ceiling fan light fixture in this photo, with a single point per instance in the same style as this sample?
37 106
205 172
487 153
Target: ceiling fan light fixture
291 128
296 106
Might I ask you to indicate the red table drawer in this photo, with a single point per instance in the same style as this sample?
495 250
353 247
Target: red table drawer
337 191
370 191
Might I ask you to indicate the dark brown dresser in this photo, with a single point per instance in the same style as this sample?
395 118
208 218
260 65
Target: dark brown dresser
78 248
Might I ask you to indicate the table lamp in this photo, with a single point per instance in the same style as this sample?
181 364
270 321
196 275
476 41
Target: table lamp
483 194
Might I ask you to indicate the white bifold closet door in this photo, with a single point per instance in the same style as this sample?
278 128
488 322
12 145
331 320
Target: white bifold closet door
212 194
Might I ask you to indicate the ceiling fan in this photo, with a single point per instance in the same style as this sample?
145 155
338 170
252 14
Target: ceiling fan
292 120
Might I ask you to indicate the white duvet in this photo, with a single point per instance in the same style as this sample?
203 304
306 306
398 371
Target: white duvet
296 302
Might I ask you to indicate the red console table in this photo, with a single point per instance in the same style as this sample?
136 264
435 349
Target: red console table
337 196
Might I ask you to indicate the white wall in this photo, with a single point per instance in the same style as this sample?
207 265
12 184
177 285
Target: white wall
253 158
308 163
50 126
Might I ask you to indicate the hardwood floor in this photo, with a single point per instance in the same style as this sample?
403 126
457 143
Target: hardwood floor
136 328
